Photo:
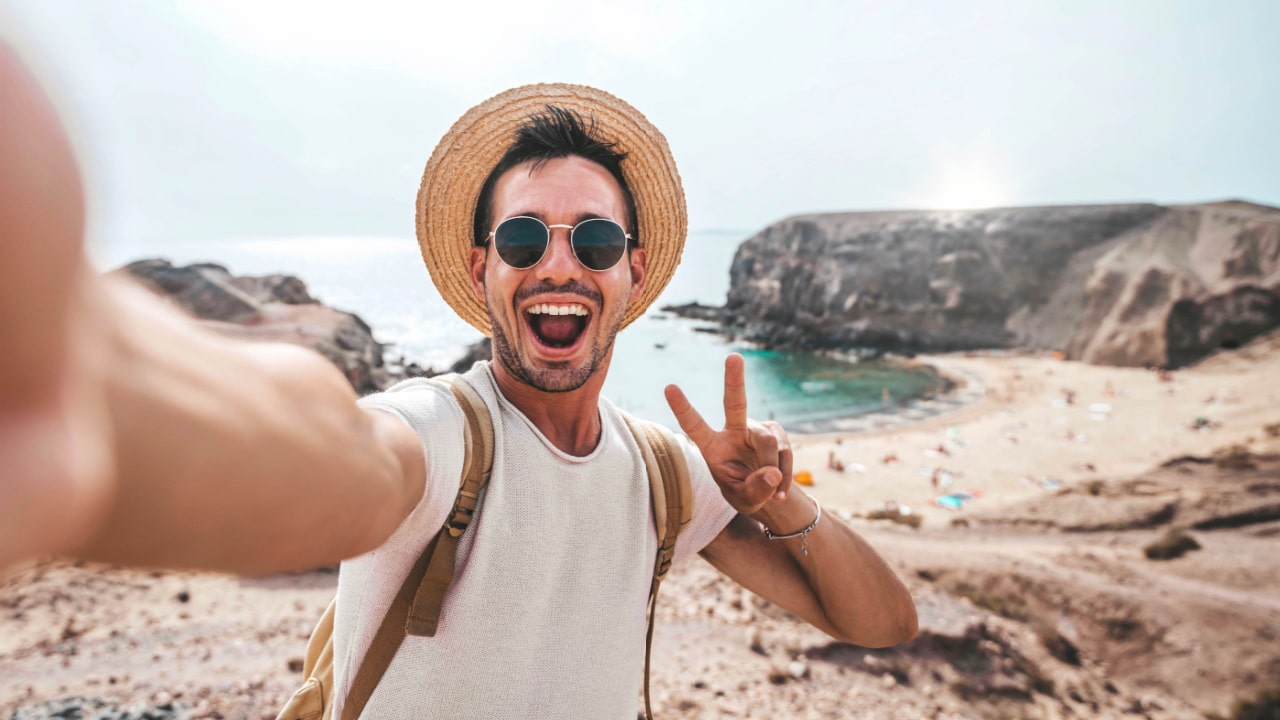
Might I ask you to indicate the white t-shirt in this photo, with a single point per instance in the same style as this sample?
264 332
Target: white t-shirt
546 614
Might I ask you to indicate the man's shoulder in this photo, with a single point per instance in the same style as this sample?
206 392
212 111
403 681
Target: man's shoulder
477 377
424 402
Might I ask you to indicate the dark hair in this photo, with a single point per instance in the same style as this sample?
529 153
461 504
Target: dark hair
554 133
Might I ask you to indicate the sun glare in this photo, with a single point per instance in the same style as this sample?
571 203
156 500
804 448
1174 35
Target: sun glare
974 178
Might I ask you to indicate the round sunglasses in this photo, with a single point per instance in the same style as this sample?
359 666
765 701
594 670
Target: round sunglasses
521 241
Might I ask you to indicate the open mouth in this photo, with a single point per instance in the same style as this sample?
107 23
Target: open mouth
557 325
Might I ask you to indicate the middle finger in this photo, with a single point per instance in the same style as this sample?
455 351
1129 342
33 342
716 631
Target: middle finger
785 458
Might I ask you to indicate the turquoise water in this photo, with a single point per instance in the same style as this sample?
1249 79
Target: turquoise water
799 386
383 280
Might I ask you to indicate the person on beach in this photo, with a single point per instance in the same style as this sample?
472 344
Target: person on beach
550 217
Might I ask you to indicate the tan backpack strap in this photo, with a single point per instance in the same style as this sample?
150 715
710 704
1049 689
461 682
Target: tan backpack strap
387 640
419 586
311 701
424 617
672 510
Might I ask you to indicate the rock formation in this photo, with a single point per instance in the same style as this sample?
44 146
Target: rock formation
273 307
1140 285
481 349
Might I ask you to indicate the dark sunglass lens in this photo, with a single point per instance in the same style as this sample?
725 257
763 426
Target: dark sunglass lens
520 241
599 243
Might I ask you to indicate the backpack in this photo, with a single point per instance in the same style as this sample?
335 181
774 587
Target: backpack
416 607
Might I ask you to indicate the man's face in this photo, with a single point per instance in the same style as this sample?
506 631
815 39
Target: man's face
554 323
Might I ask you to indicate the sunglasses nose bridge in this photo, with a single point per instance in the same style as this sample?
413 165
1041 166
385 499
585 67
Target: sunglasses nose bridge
558 260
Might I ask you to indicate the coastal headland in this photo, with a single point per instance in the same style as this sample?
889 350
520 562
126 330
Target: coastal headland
1083 539
1138 285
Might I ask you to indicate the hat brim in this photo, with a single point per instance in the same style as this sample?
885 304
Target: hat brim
471 149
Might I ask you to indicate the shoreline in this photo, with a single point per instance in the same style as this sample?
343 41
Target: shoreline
1024 425
966 389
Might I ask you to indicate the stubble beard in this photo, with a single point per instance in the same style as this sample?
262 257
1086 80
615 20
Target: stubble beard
561 377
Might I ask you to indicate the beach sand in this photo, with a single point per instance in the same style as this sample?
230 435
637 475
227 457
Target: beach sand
1021 437
1017 621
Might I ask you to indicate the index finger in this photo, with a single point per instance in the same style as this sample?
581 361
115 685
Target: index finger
690 420
735 392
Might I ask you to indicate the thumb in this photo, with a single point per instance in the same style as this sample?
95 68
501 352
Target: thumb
759 485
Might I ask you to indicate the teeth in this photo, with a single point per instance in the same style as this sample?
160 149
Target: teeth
548 309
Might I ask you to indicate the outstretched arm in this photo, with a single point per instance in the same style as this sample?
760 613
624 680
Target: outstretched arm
129 434
239 456
830 576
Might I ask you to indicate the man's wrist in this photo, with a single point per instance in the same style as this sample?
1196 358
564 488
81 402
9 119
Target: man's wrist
791 515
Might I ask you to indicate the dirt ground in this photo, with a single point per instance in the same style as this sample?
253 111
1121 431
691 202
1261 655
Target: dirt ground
1035 594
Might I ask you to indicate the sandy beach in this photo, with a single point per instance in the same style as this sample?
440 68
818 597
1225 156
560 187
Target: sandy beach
1038 423
1022 621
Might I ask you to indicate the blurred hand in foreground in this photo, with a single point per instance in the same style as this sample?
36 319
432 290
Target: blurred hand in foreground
55 443
130 434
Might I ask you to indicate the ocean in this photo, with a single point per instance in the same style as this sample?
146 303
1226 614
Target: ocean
384 281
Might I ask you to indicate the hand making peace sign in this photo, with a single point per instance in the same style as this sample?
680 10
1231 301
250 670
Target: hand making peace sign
750 461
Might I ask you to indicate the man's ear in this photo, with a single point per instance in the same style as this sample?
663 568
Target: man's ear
638 262
477 260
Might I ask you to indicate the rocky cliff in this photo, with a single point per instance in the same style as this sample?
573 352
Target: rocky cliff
1141 284
274 307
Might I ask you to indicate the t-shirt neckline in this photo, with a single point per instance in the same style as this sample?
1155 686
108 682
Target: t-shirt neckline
511 408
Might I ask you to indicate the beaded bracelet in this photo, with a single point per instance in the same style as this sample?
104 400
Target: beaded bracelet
802 534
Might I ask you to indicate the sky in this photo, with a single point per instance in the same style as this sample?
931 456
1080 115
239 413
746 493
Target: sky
257 118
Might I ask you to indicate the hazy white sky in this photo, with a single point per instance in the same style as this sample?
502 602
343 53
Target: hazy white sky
258 118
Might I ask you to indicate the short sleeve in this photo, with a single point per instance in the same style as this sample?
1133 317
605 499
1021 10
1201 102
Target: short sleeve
711 512
430 410
368 582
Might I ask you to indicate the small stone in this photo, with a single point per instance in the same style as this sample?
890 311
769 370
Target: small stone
755 640
888 681
184 597
296 664
798 669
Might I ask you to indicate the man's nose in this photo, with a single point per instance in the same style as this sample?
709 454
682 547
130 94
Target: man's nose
558 264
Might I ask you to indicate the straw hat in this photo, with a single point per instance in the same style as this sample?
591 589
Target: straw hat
471 149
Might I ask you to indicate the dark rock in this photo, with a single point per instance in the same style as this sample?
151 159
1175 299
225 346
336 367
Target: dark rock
477 351
1266 706
1173 544
275 308
1135 284
285 289
413 369
697 311
204 290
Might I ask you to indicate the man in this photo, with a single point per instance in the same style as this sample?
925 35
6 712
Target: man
546 618
550 216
